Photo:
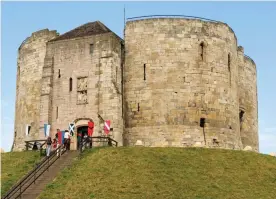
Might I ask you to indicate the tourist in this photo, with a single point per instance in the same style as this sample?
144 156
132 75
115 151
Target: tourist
35 146
49 144
67 140
55 143
79 136
57 134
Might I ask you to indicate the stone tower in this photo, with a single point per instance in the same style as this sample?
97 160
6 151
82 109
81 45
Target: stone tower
30 62
185 84
71 78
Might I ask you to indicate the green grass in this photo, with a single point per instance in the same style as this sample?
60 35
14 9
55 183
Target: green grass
136 173
14 166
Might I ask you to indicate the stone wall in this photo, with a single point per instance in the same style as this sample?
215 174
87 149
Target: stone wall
248 102
177 73
176 82
94 64
30 62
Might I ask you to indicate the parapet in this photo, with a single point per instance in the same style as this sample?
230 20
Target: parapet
40 33
249 59
186 17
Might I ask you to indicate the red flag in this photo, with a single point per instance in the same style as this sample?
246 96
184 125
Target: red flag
107 126
90 128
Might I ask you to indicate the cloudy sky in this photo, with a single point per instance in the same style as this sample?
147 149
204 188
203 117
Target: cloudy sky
253 23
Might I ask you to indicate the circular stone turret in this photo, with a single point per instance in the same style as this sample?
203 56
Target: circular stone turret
180 86
248 101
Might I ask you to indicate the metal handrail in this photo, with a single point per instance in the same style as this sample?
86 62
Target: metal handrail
90 140
111 142
170 16
46 163
30 144
32 175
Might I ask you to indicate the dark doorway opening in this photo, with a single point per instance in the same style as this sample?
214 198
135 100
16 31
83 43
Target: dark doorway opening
82 131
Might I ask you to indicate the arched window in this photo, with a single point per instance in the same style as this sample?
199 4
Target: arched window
241 116
202 51
70 84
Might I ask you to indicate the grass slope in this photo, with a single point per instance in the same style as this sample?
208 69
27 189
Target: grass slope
14 166
130 173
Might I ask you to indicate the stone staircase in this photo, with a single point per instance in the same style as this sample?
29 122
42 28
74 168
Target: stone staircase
56 163
48 176
30 186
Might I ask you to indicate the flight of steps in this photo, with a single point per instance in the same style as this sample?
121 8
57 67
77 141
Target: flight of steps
48 176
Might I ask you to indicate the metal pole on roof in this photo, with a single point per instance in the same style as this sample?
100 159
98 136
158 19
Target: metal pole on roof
124 20
124 15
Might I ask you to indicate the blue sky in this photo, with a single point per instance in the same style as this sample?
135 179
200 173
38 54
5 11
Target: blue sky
253 23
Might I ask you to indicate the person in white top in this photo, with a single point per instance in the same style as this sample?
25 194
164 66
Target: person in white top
67 140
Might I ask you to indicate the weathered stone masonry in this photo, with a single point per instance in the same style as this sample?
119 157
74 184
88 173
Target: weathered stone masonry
173 82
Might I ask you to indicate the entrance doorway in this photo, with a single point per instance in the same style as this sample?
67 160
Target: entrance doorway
81 132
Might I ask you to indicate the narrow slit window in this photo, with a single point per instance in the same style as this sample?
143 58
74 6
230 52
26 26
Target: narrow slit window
144 71
202 124
58 73
241 116
70 84
57 113
91 48
28 128
229 62
138 107
229 68
202 50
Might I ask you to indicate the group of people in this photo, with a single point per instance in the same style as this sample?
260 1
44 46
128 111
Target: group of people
56 143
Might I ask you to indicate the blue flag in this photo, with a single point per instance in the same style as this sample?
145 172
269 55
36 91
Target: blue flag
45 129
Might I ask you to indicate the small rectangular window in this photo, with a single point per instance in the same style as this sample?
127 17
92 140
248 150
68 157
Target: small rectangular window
144 71
91 48
202 51
58 73
70 84
241 116
202 122
28 128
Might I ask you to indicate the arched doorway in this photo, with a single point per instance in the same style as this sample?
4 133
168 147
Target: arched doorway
81 132
81 128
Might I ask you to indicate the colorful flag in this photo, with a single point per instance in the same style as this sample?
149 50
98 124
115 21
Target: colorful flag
107 126
90 128
48 130
62 136
45 129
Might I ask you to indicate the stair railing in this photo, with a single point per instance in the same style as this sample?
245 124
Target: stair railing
17 190
88 142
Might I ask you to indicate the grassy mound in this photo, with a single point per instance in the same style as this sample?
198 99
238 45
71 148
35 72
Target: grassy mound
14 166
130 173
